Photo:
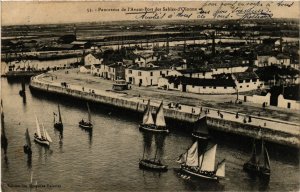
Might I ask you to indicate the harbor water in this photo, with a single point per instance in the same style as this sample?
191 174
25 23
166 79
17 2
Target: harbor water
107 158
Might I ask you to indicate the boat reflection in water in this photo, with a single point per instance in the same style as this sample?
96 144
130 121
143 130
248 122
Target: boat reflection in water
58 124
259 165
153 164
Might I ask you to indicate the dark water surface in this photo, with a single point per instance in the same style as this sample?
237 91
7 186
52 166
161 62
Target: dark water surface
107 158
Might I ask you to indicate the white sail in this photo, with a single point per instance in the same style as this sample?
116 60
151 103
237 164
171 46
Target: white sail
160 119
44 135
38 131
147 118
221 169
192 158
208 163
182 158
47 136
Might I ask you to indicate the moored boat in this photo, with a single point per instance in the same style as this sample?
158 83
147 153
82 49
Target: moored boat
27 146
86 124
148 124
201 165
152 164
258 164
44 139
58 124
200 130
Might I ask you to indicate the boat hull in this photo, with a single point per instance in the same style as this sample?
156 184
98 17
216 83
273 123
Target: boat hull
85 125
153 128
256 170
212 177
27 150
58 126
200 136
42 142
151 166
251 168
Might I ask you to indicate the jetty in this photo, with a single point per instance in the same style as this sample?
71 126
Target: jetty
273 130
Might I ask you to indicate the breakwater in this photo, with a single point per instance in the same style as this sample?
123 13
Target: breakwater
272 130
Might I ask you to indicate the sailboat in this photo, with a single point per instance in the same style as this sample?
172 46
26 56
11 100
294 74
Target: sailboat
44 139
152 164
147 118
201 130
86 124
27 146
58 125
259 164
202 165
160 123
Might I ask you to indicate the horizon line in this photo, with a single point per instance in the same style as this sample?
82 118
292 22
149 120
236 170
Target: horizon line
145 20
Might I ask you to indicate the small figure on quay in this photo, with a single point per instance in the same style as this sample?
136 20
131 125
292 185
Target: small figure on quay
221 115
218 112
249 120
237 115
245 121
82 88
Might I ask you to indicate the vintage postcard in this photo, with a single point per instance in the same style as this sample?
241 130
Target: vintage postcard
150 96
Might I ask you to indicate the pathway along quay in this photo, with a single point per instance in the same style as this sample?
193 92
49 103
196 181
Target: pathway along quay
272 130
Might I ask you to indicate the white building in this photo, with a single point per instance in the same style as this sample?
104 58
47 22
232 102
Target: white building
267 60
196 85
145 76
142 59
258 99
85 69
289 104
247 81
112 71
91 59
211 70
96 70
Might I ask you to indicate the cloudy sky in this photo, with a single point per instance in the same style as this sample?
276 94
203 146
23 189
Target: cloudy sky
30 12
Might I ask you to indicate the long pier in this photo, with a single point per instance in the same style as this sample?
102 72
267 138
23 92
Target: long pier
273 130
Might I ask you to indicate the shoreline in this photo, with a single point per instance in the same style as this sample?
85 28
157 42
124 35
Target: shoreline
277 131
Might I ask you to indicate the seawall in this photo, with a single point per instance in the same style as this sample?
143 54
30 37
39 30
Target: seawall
272 130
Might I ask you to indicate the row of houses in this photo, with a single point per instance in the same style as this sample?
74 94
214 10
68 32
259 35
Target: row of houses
209 79
236 82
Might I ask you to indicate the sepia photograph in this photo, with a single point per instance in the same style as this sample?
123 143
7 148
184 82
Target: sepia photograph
150 96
